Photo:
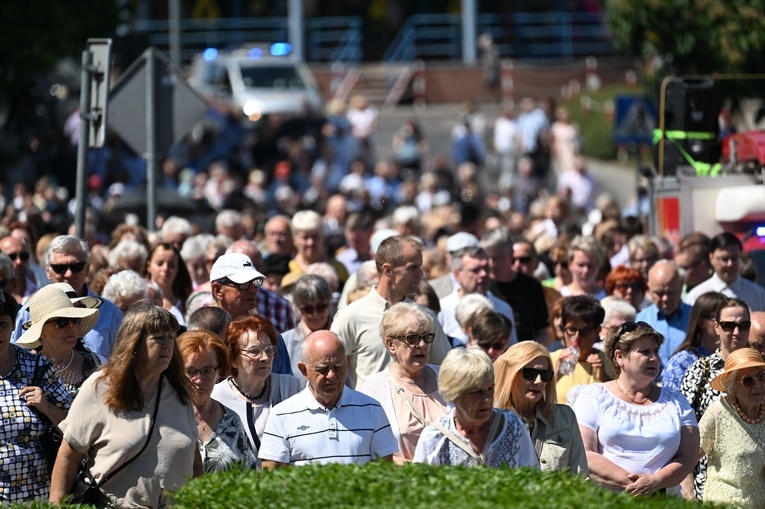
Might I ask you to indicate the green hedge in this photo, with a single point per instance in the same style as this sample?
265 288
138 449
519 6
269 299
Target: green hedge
382 485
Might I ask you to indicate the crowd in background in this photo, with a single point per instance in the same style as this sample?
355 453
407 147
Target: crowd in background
482 309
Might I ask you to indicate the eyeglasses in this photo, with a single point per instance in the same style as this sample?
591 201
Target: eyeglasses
523 259
22 255
205 372
583 331
414 339
309 310
61 268
748 381
256 352
324 370
531 374
563 264
731 326
635 286
242 287
493 346
63 323
630 327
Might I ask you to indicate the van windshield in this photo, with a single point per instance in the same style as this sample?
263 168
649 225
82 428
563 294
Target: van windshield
274 77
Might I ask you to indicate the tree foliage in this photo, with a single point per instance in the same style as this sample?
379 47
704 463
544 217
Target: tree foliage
38 33
693 36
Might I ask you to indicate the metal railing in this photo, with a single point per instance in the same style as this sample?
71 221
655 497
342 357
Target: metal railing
563 35
330 39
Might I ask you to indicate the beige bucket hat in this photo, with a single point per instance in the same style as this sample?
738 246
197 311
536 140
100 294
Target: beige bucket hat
51 302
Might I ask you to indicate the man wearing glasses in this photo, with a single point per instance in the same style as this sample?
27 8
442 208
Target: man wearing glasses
668 315
68 261
26 282
316 425
235 283
725 258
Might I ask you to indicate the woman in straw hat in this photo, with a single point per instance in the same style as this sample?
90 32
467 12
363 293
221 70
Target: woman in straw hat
55 331
733 433
29 388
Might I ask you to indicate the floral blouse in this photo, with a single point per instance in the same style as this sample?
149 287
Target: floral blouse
674 371
227 446
24 471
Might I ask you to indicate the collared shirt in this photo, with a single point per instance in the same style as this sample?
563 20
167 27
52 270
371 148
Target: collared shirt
672 327
452 328
751 293
275 309
30 287
301 431
100 339
358 324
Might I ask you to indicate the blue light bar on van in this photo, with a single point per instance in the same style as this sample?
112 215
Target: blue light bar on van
760 231
280 49
210 54
255 53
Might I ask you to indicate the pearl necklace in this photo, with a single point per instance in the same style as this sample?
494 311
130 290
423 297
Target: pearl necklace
745 417
250 396
58 365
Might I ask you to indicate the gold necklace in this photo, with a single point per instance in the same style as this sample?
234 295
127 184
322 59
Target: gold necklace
745 417
641 403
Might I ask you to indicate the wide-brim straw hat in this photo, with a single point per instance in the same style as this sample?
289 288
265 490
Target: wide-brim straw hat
88 301
740 359
51 302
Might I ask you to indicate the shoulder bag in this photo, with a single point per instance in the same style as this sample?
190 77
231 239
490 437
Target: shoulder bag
50 439
86 491
482 458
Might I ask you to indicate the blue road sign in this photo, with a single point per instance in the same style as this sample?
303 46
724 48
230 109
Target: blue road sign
634 120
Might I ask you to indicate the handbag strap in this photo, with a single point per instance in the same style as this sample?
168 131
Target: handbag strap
400 391
480 458
251 425
108 476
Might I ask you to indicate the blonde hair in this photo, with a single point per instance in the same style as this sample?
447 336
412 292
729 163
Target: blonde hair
462 370
508 368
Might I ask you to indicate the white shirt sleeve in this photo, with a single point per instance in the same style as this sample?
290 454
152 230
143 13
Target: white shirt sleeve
274 445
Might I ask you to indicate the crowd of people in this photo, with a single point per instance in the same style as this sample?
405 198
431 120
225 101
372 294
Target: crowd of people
380 323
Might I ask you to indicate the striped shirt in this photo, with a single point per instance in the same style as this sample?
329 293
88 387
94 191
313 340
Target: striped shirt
300 431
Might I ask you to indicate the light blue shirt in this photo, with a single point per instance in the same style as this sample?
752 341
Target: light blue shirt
672 327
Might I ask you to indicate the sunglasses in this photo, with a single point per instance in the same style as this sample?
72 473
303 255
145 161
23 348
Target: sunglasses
270 351
749 381
523 259
731 326
243 287
493 346
635 286
563 265
318 308
63 323
630 327
61 268
584 331
414 339
531 374
21 255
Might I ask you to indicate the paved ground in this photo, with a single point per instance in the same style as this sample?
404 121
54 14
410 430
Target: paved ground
437 122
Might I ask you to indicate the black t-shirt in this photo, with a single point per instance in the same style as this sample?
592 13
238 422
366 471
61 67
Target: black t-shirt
526 297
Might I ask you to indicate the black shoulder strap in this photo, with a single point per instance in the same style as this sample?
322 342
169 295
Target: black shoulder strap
108 476
251 425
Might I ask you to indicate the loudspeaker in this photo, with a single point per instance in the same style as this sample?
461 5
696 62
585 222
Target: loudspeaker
691 106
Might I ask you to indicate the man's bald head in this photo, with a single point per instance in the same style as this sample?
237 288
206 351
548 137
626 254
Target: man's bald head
248 248
665 286
757 333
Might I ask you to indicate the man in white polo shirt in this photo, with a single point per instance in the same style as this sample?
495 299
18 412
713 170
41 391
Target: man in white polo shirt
326 422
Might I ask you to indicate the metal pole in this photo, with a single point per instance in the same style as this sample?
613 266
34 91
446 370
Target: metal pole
175 33
295 27
82 146
151 162
468 31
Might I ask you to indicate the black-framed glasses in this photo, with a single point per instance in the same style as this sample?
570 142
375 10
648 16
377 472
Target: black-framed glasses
318 308
414 339
61 268
731 326
582 331
243 287
63 323
21 255
205 372
256 351
749 381
531 374
630 327
634 285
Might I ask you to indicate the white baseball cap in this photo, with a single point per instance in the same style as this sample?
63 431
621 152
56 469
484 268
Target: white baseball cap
237 267
461 240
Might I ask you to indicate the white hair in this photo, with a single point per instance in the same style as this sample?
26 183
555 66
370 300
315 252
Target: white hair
306 220
128 248
617 306
126 284
326 271
196 246
177 224
67 244
469 306
227 219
